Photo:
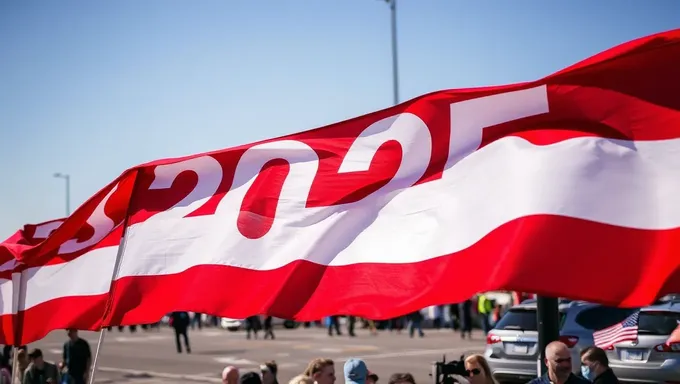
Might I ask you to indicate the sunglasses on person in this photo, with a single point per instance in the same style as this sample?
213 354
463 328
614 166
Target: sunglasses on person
473 371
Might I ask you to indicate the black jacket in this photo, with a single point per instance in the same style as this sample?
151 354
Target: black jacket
607 377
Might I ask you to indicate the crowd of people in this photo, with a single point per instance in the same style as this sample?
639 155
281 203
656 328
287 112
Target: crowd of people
594 369
32 368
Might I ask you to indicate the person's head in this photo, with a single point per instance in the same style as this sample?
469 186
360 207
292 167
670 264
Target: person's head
22 356
36 358
72 334
250 378
301 379
268 370
321 371
558 360
372 378
478 370
356 371
230 375
401 378
594 362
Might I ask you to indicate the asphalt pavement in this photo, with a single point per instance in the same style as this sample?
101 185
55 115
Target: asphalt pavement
149 357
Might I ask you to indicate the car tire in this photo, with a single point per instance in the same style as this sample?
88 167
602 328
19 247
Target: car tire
290 324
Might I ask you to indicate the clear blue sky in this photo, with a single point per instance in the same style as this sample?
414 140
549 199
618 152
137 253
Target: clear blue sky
92 88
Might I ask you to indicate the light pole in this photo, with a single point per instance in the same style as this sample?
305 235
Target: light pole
67 179
395 66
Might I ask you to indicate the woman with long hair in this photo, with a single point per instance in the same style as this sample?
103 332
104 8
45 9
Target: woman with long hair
478 370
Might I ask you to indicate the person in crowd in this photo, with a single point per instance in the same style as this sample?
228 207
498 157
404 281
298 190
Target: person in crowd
321 370
478 370
230 375
250 378
415 323
5 371
371 327
180 323
268 328
558 362
595 366
253 325
334 324
351 324
269 370
22 362
401 378
484 308
301 379
372 378
39 371
355 371
197 320
465 311
76 358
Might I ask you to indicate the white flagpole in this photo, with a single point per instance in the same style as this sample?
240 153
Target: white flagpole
15 363
16 297
116 267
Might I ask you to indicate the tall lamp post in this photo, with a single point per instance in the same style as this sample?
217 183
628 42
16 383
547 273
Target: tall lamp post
395 66
67 179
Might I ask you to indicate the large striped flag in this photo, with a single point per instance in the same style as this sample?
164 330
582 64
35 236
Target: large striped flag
627 330
423 203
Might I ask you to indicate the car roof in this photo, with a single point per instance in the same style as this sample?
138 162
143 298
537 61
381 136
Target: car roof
563 304
669 306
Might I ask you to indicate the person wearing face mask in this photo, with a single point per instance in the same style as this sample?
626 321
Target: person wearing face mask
595 366
478 370
558 362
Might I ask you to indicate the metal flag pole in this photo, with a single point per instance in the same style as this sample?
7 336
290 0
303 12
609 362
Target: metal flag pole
395 61
16 296
116 268
547 312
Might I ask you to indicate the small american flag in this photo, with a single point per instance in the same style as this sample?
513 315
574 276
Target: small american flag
627 330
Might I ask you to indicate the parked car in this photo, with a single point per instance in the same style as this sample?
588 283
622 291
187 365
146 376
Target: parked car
236 324
512 345
649 358
232 325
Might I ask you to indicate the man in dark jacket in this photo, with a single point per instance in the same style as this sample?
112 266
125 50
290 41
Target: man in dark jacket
595 366
76 358
180 322
39 371
558 361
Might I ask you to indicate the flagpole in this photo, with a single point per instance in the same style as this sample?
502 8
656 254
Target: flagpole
547 314
16 330
116 268
395 60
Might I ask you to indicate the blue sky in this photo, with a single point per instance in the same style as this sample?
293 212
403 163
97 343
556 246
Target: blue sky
93 88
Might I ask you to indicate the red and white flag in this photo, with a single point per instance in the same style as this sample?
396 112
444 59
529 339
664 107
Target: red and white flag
566 186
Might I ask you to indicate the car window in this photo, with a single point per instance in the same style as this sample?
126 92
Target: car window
601 317
658 322
522 319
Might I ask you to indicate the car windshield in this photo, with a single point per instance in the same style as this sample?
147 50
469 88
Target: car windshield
658 322
521 319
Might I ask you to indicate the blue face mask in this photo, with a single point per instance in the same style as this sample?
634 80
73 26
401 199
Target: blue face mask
587 373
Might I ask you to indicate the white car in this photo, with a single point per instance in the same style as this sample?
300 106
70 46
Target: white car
232 325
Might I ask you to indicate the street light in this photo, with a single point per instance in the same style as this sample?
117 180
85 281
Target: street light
67 179
395 67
